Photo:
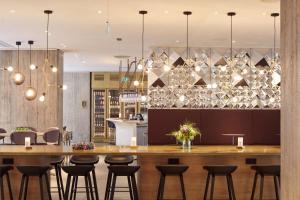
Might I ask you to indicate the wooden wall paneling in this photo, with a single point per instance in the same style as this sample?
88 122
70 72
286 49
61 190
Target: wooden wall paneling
15 109
76 117
290 119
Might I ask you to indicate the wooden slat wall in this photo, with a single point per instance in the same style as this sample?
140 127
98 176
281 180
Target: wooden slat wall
15 110
76 117
290 120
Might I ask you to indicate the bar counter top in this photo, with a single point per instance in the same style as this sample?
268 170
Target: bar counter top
205 150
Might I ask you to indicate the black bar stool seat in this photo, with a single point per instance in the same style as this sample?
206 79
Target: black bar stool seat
87 160
262 171
219 170
171 170
4 169
118 159
115 160
123 170
34 170
73 173
56 162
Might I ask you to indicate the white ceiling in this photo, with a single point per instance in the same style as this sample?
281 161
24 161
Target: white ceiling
78 28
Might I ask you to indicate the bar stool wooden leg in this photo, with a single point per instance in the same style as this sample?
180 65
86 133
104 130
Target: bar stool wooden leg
72 187
161 188
26 187
22 187
95 184
134 187
48 187
9 186
61 181
58 182
86 187
112 191
90 186
182 187
130 187
2 188
41 187
254 187
212 187
261 187
66 196
75 187
229 187
108 186
206 186
232 187
276 188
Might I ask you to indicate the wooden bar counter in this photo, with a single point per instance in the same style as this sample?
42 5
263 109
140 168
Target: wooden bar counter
150 156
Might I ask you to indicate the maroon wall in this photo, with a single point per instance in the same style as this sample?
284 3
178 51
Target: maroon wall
259 126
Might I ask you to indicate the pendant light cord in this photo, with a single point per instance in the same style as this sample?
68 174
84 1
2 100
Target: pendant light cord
143 31
231 54
18 58
274 54
30 64
187 37
48 19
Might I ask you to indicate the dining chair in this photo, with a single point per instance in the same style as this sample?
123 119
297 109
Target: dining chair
52 135
18 137
2 130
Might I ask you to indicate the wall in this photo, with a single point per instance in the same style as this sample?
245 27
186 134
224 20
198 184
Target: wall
76 117
15 110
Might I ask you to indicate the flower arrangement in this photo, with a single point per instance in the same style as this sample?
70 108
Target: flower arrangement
83 146
187 132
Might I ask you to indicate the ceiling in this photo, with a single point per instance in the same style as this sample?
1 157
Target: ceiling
78 26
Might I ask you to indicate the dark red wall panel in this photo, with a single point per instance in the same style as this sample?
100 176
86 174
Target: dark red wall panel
259 126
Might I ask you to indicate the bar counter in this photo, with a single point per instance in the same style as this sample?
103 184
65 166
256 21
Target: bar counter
44 150
150 156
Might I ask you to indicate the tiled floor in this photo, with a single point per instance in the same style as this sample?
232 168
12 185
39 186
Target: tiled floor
101 174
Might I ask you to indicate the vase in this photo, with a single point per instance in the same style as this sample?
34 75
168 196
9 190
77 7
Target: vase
186 144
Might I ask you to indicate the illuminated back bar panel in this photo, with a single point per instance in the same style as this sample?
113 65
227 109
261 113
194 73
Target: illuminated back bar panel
258 126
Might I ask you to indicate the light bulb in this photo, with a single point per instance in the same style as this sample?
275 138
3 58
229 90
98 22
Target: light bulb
167 68
181 98
42 97
223 68
143 98
30 94
214 85
54 69
32 67
107 28
64 87
10 68
234 99
140 66
197 68
18 78
136 83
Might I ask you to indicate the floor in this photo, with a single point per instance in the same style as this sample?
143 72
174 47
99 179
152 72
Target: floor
101 174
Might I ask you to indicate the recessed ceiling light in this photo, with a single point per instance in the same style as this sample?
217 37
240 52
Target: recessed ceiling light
83 62
233 41
216 13
264 13
12 11
99 11
166 12
177 41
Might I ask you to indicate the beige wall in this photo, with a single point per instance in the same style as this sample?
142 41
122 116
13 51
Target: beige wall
76 117
15 110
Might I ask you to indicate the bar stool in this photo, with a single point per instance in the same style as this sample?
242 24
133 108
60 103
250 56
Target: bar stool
115 160
170 170
73 173
87 160
4 171
28 171
262 171
219 170
129 172
56 162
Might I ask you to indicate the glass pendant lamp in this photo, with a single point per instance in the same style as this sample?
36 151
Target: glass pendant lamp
18 77
30 93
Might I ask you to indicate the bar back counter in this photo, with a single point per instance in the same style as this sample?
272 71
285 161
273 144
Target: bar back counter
150 156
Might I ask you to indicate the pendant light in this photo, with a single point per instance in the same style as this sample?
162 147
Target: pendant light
275 61
231 60
42 97
18 77
141 64
107 24
30 93
31 65
53 68
187 13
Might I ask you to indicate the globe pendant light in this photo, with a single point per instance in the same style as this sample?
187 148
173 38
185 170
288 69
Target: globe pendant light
47 63
275 58
30 93
18 77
